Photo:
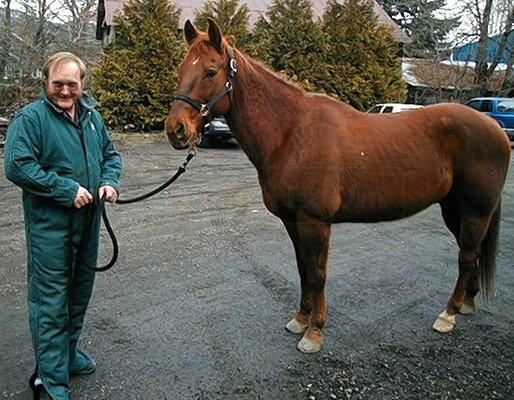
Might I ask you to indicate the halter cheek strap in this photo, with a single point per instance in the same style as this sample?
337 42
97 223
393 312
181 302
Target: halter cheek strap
205 108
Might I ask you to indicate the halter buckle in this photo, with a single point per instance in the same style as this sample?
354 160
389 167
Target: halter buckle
204 110
233 65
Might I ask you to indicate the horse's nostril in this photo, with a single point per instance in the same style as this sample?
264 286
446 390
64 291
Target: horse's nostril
180 131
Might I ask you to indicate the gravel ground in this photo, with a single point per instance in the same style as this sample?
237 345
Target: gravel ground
206 280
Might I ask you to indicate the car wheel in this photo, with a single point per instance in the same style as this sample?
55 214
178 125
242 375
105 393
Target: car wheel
206 142
3 135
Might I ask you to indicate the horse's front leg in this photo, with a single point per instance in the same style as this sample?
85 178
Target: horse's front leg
312 256
300 321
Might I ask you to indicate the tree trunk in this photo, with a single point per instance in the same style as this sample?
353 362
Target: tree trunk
483 72
6 43
483 41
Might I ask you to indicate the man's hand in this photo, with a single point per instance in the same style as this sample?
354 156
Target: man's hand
82 198
111 195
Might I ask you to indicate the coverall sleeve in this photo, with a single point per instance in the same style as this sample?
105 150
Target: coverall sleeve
22 150
111 164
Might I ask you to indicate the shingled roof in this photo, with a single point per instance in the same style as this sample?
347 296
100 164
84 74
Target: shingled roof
444 75
108 8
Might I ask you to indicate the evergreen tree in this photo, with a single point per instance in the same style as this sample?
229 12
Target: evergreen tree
230 16
417 18
360 65
137 76
289 40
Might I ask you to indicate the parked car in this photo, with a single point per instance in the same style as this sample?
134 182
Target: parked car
215 131
4 123
499 108
392 108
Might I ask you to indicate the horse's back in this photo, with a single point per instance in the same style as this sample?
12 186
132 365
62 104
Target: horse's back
393 165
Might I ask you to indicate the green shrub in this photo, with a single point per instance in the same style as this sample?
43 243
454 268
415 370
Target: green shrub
361 65
137 76
289 40
230 16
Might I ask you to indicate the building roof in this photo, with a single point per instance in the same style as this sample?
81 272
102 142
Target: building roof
444 75
468 52
108 8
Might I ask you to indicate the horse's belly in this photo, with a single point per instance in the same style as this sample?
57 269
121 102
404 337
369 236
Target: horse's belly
377 214
383 198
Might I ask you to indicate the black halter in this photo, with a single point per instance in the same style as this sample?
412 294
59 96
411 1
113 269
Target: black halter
205 108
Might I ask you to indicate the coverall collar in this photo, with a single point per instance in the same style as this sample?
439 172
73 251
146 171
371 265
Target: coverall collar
85 101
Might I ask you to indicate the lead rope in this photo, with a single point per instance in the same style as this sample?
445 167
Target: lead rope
107 223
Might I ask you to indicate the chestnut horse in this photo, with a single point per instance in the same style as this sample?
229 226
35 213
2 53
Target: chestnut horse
320 162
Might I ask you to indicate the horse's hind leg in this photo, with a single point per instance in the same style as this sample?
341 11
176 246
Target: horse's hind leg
472 229
300 321
452 220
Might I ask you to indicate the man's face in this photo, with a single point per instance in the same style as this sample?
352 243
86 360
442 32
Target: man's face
64 86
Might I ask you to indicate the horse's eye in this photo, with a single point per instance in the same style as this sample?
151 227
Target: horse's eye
211 73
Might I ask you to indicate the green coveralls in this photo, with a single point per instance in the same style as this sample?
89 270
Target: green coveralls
49 156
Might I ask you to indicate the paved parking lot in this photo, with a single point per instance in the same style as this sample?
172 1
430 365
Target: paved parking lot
206 280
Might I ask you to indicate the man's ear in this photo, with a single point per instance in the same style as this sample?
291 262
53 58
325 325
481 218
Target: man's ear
190 33
215 35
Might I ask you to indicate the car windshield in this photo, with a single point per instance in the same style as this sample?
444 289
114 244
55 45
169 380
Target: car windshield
474 104
506 106
375 109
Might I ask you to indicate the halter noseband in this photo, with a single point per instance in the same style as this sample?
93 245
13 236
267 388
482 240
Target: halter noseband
205 108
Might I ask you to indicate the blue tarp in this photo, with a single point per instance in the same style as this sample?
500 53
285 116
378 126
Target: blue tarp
468 52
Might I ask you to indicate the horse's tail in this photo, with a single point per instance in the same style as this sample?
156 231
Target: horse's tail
487 259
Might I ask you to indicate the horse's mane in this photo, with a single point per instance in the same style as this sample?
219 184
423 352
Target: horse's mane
285 80
277 76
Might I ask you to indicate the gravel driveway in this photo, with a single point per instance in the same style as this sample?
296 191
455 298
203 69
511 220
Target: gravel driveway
206 280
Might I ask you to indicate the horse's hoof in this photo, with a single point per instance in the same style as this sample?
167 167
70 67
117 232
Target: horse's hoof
308 346
294 326
444 323
312 341
467 309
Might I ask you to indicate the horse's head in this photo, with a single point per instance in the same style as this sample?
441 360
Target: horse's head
205 78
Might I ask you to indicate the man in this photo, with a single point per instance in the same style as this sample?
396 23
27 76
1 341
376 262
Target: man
59 152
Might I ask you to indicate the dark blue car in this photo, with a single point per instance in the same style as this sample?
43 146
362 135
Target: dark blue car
215 131
500 108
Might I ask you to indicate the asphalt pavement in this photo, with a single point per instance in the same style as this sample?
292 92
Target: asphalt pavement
206 281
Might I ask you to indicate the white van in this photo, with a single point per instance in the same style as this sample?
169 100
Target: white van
392 108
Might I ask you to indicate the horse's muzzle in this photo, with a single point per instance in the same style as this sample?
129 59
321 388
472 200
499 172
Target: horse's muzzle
178 137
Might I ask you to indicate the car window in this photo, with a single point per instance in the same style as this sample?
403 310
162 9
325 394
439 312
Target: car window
474 104
388 109
375 109
487 105
506 106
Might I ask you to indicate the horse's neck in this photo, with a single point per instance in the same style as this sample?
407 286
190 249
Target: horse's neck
264 110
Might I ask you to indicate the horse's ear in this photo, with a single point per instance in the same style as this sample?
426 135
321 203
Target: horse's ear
215 35
190 32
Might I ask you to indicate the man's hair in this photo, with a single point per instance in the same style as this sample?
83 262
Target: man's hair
61 58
